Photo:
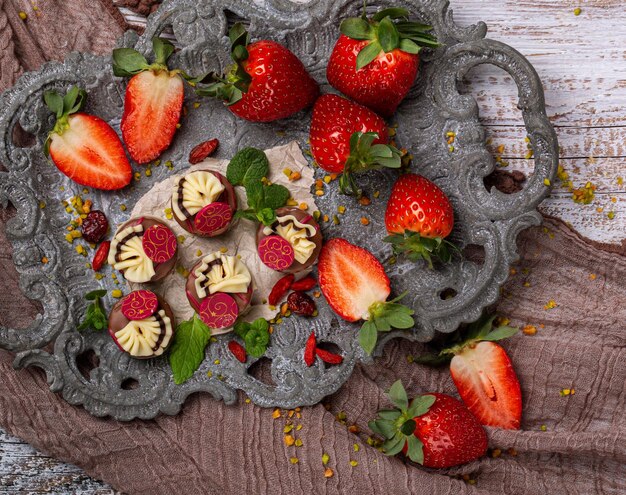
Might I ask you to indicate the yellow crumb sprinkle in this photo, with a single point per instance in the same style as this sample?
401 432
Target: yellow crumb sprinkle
529 330
551 304
196 104
298 442
326 218
365 221
44 260
592 276
577 11
327 179
116 293
319 192
620 181
181 239
303 206
341 210
42 205
546 182
294 176
328 473
23 15
354 463
289 440
293 460
611 215
123 207
217 361
287 172
223 250
325 458
376 194
292 202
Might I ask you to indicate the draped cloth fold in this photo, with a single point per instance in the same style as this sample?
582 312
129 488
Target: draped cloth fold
567 444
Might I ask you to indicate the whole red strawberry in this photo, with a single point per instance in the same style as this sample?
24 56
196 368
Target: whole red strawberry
434 429
484 376
84 147
347 137
419 217
267 82
153 101
375 60
356 287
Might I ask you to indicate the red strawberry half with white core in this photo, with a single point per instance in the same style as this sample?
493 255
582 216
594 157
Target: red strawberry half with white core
375 60
434 429
484 376
349 138
153 101
267 81
356 287
418 218
84 147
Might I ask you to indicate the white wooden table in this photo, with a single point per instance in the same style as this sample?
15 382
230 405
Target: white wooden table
582 63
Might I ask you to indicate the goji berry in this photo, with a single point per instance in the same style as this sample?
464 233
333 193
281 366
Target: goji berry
238 351
101 255
280 289
328 357
306 283
301 304
309 350
201 151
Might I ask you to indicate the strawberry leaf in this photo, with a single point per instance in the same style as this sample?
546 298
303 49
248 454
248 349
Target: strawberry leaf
128 62
389 414
357 29
393 13
408 46
500 333
382 325
398 396
395 445
400 320
54 102
163 49
384 427
190 341
420 405
388 36
367 54
368 336
415 450
408 427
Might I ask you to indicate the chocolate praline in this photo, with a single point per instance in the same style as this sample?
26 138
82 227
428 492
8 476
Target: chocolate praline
161 270
117 321
228 197
305 218
242 299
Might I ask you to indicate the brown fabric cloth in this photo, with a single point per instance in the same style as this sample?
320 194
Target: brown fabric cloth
212 448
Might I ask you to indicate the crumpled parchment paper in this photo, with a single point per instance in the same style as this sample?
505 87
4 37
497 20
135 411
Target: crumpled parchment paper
239 240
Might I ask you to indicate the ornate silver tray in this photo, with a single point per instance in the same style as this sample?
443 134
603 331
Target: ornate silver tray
125 388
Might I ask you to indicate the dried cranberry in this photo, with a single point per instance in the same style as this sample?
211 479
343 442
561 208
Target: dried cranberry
301 304
94 226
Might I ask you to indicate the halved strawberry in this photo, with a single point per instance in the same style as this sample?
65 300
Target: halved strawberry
347 137
483 374
356 287
84 147
419 217
153 101
434 429
266 82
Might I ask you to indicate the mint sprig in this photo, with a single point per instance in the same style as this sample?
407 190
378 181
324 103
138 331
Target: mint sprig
95 316
382 318
256 336
188 350
249 168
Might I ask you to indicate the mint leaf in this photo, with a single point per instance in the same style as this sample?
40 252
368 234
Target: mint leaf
190 341
261 325
257 338
275 196
255 194
266 216
241 328
95 316
248 164
397 395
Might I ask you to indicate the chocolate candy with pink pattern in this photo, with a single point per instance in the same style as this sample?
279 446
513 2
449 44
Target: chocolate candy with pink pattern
214 217
219 311
139 304
276 253
314 235
159 243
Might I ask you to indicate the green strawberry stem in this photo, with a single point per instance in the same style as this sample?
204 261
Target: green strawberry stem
383 316
482 329
387 30
128 62
365 156
397 426
231 87
73 102
417 247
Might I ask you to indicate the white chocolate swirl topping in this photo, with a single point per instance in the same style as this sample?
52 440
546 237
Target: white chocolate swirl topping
146 338
199 189
225 274
128 256
303 248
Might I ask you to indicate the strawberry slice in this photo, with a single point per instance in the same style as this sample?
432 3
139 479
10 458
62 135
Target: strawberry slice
153 101
487 383
356 287
84 147
483 373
